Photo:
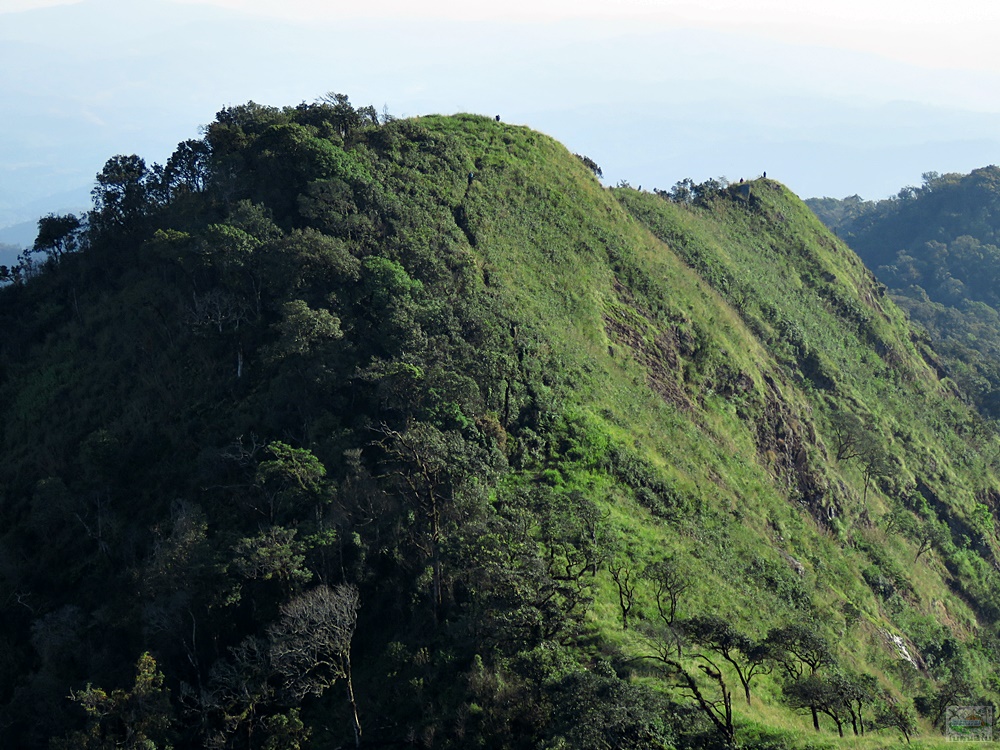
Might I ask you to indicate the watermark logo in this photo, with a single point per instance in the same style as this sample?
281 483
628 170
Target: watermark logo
969 723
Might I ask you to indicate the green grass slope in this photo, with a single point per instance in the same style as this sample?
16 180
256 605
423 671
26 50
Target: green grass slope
435 362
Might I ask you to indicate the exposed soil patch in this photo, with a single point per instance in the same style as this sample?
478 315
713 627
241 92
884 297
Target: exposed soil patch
782 438
781 435
659 357
657 352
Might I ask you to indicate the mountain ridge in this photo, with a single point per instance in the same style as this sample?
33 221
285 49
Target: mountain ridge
554 436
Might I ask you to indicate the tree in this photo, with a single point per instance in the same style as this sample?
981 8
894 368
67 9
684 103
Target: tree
956 689
600 711
310 647
931 534
897 519
303 653
711 187
819 695
135 719
344 117
58 235
272 555
122 196
303 329
875 463
796 648
590 164
238 693
856 691
853 440
669 582
848 435
747 657
574 537
186 171
682 191
624 577
717 708
427 465
292 480
894 715
840 695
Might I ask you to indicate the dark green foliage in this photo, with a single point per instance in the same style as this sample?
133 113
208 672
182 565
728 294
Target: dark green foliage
591 165
714 701
136 719
123 197
58 235
781 581
598 710
819 695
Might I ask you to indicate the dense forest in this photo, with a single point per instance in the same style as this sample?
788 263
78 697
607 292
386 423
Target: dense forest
337 430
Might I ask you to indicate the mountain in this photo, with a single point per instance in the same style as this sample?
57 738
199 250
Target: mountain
335 430
935 247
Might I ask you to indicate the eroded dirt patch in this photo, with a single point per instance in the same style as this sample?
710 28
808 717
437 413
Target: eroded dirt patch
656 350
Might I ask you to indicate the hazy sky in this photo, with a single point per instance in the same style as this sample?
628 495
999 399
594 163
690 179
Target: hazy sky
832 98
931 33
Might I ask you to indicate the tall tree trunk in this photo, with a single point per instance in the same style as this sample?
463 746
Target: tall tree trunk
350 697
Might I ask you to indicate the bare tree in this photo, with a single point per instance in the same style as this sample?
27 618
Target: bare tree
310 647
849 435
217 309
237 692
306 651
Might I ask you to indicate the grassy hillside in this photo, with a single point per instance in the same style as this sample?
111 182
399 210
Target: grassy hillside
572 449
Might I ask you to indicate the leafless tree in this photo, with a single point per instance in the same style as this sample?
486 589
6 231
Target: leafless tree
310 646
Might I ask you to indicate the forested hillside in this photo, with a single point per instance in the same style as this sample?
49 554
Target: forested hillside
335 431
935 247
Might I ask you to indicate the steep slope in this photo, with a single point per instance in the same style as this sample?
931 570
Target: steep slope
572 449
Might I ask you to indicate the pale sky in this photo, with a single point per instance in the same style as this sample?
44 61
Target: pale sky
935 34
931 33
831 97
